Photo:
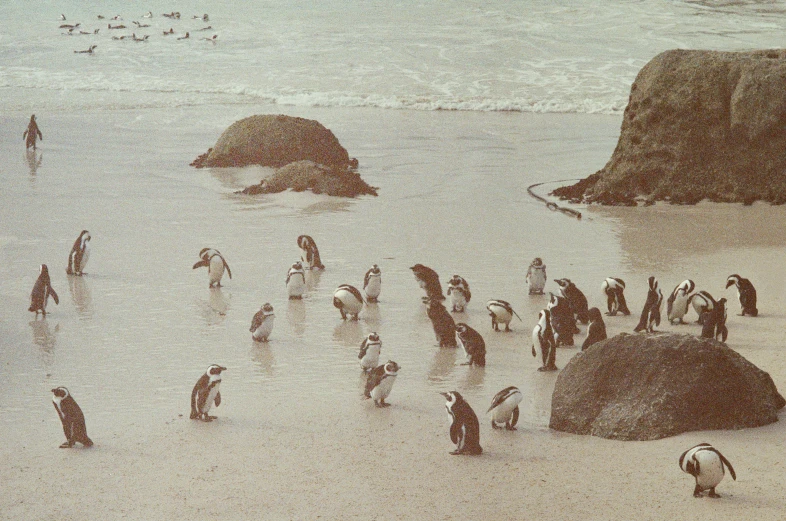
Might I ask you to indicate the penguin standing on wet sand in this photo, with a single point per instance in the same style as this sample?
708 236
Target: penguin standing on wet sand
380 383
501 312
650 314
429 281
706 464
42 290
215 263
715 322
32 133
473 344
372 283
563 323
464 426
348 300
746 293
205 393
543 339
296 281
310 253
72 418
262 323
369 353
596 331
442 322
677 303
576 299
614 289
80 253
459 293
505 408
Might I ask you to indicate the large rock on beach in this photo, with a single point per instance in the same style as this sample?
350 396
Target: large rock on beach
646 387
320 179
698 125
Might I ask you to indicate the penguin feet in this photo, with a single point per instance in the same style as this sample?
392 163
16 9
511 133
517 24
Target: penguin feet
67 445
713 494
507 329
381 404
509 427
494 425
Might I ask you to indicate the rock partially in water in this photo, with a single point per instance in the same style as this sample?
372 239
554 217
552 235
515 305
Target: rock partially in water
646 387
698 125
320 179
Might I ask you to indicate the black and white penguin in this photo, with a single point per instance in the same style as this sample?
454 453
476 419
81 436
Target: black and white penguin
614 289
380 383
296 281
42 290
370 349
89 50
563 322
714 325
464 426
576 299
746 293
80 253
206 393
429 281
505 408
32 133
262 323
543 340
309 253
459 293
596 331
442 322
72 418
677 303
702 302
706 464
372 283
472 343
348 300
536 277
650 314
215 263
501 312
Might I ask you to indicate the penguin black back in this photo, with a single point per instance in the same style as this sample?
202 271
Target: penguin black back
473 344
444 326
429 281
71 417
596 330
650 313
464 426
42 290
715 322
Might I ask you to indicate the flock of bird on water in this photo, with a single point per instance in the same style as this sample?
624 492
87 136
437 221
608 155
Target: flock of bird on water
556 326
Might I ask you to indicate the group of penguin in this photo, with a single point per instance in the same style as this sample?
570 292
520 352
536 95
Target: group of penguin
556 326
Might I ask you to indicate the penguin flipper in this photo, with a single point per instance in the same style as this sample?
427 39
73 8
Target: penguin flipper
515 418
728 465
54 295
226 266
201 264
218 399
455 430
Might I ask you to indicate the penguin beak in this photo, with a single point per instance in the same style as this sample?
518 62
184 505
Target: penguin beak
446 395
729 283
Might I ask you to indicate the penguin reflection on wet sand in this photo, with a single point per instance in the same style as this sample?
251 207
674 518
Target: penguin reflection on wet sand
650 314
746 294
706 464
596 331
473 344
72 418
309 253
42 290
464 426
501 312
32 133
614 288
543 340
442 322
380 382
296 281
677 303
505 408
714 325
348 300
206 393
215 263
80 253
262 323
369 353
372 283
428 279
576 299
459 293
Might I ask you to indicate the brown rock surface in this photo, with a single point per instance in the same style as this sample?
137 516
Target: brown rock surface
320 179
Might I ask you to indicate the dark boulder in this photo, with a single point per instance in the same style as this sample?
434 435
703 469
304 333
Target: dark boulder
646 387
320 179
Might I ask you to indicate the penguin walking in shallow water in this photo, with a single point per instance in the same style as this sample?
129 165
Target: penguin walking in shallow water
746 294
206 393
714 325
442 322
596 331
464 426
536 277
71 417
296 281
501 312
310 253
262 323
650 314
42 290
702 302
677 303
576 299
32 133
459 293
428 279
348 300
614 289
473 344
505 408
215 263
369 353
372 283
706 464
380 383
80 253
543 340
563 322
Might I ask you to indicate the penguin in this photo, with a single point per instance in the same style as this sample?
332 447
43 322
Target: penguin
296 281
216 264
72 418
505 408
706 464
615 297
576 299
459 293
715 322
472 343
369 352
464 426
32 133
501 312
650 314
184 37
262 323
380 382
702 302
563 322
543 339
596 331
80 253
310 253
429 281
536 277
442 322
206 393
372 283
746 294
677 303
348 300
42 290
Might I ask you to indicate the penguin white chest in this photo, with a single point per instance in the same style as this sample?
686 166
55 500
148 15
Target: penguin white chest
502 315
216 269
264 329
371 359
350 303
537 280
85 257
296 285
211 398
374 287
680 306
503 412
381 391
457 299
711 469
